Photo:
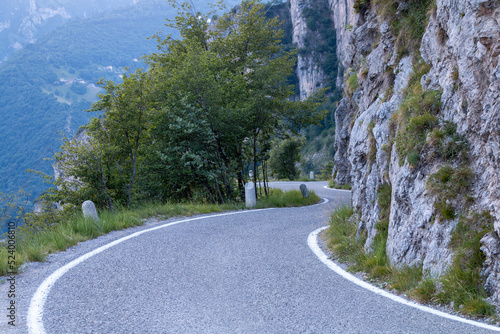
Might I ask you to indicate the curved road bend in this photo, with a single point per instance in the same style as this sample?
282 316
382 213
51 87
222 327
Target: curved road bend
249 272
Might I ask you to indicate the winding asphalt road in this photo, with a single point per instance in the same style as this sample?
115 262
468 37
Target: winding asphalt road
243 272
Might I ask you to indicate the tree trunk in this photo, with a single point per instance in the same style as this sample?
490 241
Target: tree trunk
241 174
264 176
218 190
134 171
255 163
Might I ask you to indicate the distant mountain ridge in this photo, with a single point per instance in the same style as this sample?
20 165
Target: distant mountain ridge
25 21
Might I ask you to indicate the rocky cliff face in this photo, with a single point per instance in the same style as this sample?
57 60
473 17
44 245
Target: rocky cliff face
20 22
343 18
309 71
454 66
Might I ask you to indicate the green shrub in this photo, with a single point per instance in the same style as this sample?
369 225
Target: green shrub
449 185
462 179
457 147
470 230
384 196
478 307
379 246
372 144
416 116
278 198
454 74
335 185
62 240
463 284
352 83
449 128
406 278
435 137
421 123
443 175
412 138
32 252
413 158
449 182
446 210
341 236
284 156
425 291
449 145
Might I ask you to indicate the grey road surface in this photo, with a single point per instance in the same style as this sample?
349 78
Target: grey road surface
249 272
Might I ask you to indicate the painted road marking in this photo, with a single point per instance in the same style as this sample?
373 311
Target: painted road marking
327 187
312 241
35 311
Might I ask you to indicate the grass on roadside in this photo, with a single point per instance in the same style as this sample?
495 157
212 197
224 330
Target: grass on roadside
334 185
279 199
35 246
460 287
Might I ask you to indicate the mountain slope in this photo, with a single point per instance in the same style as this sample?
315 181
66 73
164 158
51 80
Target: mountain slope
46 86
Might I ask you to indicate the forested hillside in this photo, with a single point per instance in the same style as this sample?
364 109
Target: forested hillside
46 87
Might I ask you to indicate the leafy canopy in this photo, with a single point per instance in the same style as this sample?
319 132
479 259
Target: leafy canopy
206 109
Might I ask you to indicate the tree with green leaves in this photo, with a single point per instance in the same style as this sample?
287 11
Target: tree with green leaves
236 74
87 169
127 109
102 164
284 156
204 113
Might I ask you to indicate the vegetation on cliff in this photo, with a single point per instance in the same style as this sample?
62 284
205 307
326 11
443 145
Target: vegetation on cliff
441 219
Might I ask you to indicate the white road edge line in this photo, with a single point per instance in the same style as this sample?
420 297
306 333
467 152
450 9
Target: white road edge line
325 200
35 311
327 187
312 241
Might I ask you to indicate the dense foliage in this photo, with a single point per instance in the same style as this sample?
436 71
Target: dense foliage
283 158
193 124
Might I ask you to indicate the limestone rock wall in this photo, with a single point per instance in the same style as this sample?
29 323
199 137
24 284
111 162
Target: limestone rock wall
309 71
344 19
38 15
461 44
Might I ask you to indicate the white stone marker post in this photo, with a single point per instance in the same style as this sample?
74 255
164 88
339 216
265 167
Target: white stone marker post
311 175
250 199
89 210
